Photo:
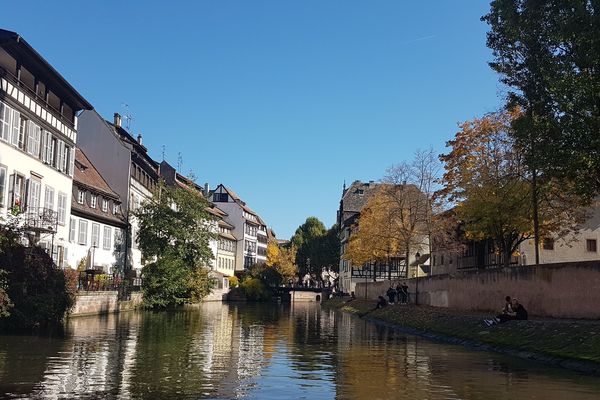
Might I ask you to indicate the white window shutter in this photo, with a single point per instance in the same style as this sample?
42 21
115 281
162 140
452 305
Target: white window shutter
71 161
11 190
15 125
30 137
43 154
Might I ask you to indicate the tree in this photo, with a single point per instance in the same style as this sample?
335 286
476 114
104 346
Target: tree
280 266
374 237
391 223
175 231
330 249
486 176
306 240
411 188
548 53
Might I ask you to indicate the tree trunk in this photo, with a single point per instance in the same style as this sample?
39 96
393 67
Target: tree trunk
536 221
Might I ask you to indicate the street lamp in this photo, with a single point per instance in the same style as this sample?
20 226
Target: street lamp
417 257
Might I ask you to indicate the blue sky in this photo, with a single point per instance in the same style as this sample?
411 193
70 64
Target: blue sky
280 100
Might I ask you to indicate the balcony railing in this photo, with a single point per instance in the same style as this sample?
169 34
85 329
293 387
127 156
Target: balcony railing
41 220
92 282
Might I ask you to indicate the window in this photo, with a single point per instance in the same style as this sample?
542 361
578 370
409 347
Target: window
220 197
49 198
95 235
62 208
5 114
250 246
72 229
134 244
93 201
33 198
115 208
2 178
48 148
251 230
23 132
83 232
61 162
591 245
80 196
548 244
104 205
118 240
34 139
17 189
106 238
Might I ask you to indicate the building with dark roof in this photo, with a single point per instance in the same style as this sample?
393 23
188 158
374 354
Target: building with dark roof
224 248
124 162
354 199
97 224
38 134
249 227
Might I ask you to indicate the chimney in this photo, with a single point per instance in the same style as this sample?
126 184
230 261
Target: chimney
206 189
139 138
117 120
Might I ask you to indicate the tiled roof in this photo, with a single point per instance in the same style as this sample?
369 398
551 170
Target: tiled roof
357 195
87 177
86 174
227 235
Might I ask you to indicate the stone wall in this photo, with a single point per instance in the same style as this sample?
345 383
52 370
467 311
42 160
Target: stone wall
93 303
566 290
305 296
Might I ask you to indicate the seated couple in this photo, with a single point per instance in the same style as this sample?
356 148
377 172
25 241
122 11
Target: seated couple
512 310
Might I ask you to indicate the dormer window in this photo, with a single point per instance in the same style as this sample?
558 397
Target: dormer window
104 205
220 197
115 208
93 201
80 196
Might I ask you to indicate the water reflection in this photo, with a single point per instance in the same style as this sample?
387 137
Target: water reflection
261 352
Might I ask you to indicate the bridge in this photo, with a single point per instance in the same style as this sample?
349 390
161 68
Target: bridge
301 294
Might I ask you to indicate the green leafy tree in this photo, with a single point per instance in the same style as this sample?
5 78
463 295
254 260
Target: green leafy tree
548 53
175 232
306 239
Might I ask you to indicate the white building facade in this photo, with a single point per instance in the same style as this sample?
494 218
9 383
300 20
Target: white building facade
38 132
97 225
248 228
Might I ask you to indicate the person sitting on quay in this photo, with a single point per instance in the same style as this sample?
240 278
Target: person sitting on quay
519 310
391 294
507 314
381 303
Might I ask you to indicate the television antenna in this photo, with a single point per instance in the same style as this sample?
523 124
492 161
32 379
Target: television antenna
127 115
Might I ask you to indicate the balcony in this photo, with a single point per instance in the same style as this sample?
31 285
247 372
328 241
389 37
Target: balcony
42 220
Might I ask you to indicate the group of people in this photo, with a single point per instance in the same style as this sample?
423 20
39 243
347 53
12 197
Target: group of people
512 310
400 292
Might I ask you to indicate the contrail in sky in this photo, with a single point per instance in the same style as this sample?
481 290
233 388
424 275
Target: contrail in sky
419 39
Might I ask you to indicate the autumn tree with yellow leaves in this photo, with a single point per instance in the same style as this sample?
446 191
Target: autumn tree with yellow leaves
488 180
280 265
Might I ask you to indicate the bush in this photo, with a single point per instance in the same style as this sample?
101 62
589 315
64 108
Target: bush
5 303
233 281
38 289
255 289
169 283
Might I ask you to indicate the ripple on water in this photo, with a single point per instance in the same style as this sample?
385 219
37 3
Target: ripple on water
264 352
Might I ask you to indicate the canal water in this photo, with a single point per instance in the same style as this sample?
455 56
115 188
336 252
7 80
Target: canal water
259 351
